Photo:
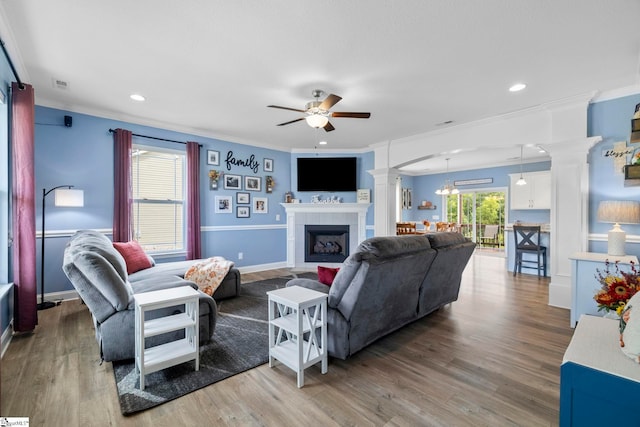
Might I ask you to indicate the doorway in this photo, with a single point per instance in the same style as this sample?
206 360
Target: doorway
479 215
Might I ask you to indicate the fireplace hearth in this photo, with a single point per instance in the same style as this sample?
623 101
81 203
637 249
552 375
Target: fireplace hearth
326 243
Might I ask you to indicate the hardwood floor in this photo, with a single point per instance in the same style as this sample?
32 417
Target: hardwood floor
490 359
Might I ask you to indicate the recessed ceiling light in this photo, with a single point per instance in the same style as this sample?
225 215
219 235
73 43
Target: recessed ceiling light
517 87
322 143
137 97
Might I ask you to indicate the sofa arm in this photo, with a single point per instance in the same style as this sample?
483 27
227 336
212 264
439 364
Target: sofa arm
309 284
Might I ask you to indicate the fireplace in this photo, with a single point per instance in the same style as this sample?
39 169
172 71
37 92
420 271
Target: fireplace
326 243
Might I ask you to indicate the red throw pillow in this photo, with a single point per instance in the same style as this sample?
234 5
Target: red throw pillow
134 256
327 274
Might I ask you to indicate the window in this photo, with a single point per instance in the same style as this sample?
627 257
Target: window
158 198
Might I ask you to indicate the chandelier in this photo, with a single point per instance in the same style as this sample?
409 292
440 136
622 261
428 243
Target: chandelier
447 188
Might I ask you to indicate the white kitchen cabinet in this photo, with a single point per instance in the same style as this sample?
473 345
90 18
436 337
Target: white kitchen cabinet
536 194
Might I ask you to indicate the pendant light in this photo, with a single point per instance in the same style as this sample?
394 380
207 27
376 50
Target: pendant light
521 181
447 188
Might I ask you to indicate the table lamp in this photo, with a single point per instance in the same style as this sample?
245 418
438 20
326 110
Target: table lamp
618 212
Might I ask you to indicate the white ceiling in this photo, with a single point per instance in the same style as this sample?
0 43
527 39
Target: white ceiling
211 67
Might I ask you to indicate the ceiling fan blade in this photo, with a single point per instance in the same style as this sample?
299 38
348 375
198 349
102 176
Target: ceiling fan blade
292 121
351 115
328 127
286 108
329 102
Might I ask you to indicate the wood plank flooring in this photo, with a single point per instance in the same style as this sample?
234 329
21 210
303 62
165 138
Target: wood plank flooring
490 359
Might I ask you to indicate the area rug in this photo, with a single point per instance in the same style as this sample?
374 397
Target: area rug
240 342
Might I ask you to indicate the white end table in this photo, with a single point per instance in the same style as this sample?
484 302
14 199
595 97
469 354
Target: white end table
295 315
162 356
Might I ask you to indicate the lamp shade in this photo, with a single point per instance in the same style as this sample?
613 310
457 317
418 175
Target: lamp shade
68 197
619 211
317 120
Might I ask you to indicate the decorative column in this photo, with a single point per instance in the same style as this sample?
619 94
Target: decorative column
384 214
569 212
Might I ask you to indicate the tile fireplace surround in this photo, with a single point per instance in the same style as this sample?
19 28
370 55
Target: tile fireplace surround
301 214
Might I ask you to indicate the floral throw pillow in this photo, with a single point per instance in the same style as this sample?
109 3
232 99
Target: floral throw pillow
630 328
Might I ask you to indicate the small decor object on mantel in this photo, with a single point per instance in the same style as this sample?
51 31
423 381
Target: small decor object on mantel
364 195
617 288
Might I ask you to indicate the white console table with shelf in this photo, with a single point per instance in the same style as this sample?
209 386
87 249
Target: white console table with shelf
162 356
296 314
584 284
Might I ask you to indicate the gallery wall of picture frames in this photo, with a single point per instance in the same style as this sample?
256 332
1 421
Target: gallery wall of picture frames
244 185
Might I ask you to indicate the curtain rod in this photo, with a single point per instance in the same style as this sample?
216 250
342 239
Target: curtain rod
13 69
155 137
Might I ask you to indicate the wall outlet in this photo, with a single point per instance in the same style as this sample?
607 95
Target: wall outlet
240 255
277 217
436 217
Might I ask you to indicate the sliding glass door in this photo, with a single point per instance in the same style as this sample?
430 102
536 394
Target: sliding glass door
479 215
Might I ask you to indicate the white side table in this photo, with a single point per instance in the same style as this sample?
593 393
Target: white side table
153 359
295 315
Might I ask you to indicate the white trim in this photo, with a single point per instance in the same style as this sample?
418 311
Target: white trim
59 297
69 233
262 267
616 93
243 227
135 120
7 335
600 237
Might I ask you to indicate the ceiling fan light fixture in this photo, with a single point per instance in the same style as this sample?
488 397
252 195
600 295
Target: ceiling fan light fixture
317 120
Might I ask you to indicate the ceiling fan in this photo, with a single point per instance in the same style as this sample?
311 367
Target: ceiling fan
317 112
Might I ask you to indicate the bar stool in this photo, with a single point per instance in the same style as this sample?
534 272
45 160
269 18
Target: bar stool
528 242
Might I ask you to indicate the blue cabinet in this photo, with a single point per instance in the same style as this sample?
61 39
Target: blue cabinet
598 383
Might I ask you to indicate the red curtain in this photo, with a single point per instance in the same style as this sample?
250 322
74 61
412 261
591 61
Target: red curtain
122 186
24 218
193 201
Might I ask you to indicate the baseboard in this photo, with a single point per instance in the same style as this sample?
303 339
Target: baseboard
58 297
262 267
7 334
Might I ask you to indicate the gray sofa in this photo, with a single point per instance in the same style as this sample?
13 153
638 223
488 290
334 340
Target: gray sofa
99 274
389 282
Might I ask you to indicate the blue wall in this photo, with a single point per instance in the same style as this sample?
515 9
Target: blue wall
82 155
425 186
611 120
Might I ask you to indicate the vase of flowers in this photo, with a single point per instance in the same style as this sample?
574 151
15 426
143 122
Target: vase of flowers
617 287
214 175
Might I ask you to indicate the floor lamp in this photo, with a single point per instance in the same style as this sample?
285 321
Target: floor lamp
64 197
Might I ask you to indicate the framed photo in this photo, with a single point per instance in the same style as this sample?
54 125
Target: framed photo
268 165
260 205
213 157
252 183
224 204
242 198
242 212
232 182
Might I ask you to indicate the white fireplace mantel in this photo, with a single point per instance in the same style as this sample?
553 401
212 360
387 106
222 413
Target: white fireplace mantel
299 214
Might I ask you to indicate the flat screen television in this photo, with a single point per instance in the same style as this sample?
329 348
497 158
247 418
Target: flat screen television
327 174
